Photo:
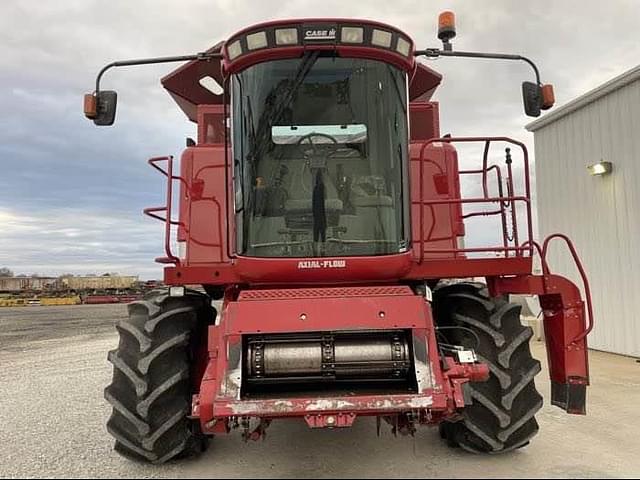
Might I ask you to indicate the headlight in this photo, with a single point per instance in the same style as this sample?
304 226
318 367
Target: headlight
380 38
256 40
176 291
352 35
234 50
403 47
286 36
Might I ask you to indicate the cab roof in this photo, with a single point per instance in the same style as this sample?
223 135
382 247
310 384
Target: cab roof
184 83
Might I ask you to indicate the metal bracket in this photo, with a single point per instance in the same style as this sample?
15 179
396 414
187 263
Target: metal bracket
337 420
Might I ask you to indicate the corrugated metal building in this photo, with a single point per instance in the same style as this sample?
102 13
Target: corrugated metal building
600 213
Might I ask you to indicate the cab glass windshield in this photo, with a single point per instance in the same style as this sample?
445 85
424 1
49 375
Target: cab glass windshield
320 157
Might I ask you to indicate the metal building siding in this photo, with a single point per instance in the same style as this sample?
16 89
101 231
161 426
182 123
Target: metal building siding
601 214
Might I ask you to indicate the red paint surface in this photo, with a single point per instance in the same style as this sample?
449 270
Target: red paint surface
330 309
206 222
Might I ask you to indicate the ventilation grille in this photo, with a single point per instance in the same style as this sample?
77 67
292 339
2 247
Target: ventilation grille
297 293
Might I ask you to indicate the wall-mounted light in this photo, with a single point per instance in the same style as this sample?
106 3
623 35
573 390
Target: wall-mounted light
600 168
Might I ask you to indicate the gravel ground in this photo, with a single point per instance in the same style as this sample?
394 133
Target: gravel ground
22 325
52 420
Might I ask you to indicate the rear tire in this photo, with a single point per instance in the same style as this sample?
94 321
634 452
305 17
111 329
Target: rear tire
502 415
152 377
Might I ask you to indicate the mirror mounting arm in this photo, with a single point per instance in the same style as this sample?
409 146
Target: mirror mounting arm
203 56
436 52
100 106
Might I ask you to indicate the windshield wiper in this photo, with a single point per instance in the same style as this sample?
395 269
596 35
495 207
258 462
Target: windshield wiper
269 117
308 60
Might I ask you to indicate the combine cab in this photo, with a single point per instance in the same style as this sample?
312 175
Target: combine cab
321 205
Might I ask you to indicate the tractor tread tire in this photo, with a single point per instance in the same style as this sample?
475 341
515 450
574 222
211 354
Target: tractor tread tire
501 417
151 388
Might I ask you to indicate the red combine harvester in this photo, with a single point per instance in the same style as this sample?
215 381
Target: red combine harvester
321 204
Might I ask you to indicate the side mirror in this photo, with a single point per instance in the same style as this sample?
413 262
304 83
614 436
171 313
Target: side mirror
531 98
101 107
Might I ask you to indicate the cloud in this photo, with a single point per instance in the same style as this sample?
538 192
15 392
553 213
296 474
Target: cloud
74 192
78 240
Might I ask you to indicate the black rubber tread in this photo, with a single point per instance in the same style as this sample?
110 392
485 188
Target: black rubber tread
151 388
501 417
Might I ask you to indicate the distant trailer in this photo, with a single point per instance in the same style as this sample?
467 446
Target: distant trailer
50 301
100 299
27 284
44 301
102 283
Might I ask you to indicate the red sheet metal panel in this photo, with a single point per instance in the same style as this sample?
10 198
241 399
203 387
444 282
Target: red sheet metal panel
184 84
300 314
423 83
331 292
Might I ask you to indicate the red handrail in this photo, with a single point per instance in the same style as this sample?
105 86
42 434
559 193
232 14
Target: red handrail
167 219
542 252
511 199
167 208
583 275
501 212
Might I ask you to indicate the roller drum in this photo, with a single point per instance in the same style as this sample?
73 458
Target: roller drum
338 356
296 358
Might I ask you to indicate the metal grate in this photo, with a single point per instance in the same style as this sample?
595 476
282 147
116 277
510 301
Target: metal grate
297 293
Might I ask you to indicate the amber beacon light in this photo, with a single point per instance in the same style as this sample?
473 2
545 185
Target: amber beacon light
446 28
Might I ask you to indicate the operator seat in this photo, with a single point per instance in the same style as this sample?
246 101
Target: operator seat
300 190
374 215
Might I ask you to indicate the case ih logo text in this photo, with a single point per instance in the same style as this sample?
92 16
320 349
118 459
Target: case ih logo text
304 264
320 34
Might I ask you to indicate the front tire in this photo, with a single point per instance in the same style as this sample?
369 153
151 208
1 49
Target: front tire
501 417
152 377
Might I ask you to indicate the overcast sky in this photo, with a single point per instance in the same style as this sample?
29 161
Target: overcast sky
71 194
